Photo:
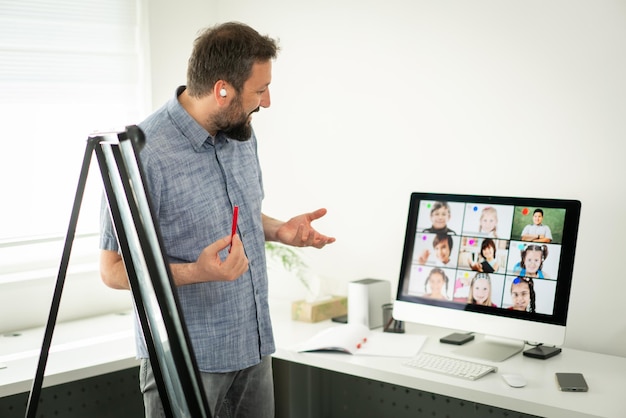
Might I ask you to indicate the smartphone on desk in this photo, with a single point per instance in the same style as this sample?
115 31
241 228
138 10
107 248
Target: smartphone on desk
571 382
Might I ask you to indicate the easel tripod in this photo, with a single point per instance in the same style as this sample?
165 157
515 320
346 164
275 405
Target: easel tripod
150 278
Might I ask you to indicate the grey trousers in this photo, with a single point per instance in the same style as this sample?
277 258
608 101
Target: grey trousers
240 394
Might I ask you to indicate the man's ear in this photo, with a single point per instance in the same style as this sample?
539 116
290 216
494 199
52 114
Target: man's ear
221 91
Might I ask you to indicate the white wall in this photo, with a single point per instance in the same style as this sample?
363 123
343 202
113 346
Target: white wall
373 100
172 28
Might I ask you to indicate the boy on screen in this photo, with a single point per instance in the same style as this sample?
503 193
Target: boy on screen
442 246
537 232
439 216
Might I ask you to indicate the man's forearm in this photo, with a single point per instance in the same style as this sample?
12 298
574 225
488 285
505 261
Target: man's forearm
270 227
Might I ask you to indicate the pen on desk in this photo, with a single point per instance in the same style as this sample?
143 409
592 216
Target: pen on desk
234 228
359 345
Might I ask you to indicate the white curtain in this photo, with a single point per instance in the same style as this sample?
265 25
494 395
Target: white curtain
67 68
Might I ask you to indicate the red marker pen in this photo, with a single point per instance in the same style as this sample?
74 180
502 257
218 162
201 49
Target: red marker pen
234 228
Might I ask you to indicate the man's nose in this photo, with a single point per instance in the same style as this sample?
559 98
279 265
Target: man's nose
265 99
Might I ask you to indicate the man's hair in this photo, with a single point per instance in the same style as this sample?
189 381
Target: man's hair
226 52
538 211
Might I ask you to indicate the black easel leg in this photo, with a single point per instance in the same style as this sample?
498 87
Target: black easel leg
35 392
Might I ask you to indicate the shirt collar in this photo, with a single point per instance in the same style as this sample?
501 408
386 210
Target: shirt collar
189 128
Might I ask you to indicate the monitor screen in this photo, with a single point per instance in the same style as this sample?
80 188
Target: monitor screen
494 265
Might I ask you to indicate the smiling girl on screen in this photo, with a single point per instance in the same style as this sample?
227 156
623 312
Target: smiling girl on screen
489 263
480 290
436 280
523 294
532 260
488 222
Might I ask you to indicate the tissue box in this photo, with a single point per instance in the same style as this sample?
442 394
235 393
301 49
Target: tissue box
317 311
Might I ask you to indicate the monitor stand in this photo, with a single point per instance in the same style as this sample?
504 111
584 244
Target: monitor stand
492 349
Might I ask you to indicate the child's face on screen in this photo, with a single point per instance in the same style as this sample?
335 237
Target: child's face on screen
488 222
532 261
436 282
488 252
520 294
480 290
442 251
537 218
440 218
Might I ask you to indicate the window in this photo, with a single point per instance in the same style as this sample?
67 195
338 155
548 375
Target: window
69 68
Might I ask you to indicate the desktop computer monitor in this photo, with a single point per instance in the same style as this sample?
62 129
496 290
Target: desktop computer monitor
493 265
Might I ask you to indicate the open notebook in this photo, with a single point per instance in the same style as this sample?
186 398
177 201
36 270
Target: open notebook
360 340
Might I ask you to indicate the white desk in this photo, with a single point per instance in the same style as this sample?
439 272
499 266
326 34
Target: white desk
90 347
605 375
80 349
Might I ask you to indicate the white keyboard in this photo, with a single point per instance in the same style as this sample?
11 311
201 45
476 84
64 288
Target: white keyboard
450 366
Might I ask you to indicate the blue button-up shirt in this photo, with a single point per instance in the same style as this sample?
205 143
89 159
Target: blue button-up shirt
194 181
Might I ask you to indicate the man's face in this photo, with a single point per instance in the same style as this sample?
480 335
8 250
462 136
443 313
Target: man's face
537 218
235 120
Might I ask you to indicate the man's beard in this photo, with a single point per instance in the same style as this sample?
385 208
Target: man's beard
233 122
240 132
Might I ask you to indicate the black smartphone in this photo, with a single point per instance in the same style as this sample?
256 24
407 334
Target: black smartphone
343 319
571 382
457 338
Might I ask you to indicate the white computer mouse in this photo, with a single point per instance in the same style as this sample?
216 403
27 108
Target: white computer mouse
514 380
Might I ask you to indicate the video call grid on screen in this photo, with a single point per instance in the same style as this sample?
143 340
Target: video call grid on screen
496 242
